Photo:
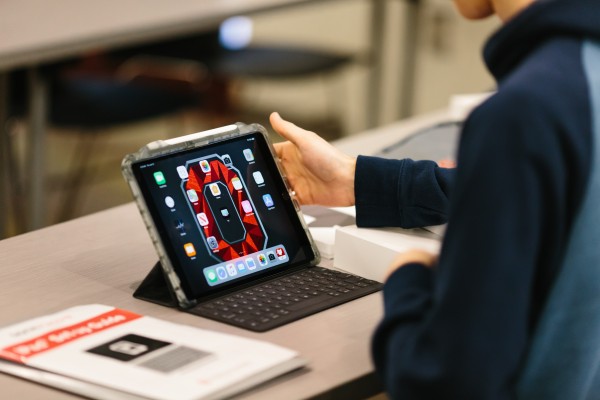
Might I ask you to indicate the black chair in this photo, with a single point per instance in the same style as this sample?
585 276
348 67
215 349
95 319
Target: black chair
226 65
276 63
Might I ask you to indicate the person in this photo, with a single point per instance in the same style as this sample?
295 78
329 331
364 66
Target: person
479 321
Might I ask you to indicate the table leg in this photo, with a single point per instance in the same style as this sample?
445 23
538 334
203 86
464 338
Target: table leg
377 34
4 214
409 60
38 106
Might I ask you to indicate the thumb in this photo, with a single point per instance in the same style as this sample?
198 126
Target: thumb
286 129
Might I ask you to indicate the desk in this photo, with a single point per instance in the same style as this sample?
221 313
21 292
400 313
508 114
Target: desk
102 258
38 32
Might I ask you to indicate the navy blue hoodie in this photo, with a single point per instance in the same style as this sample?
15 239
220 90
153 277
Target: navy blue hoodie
521 209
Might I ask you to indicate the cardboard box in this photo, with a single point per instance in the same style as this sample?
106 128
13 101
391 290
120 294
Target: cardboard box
369 252
323 222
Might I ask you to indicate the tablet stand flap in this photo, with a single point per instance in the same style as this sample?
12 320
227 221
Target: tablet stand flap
155 289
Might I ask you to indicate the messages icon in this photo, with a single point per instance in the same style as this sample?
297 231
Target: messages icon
211 275
159 178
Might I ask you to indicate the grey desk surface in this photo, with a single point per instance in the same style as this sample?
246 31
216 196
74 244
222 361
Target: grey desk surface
102 258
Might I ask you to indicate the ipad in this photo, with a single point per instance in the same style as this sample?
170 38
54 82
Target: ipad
218 210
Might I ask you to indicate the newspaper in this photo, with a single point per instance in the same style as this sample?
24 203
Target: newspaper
104 352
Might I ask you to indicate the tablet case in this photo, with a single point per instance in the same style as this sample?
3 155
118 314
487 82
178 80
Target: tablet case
154 288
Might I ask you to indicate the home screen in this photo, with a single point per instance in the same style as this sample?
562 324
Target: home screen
223 214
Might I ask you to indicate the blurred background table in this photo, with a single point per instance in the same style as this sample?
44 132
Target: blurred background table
36 33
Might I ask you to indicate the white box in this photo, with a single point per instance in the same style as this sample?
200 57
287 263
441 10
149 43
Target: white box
322 223
369 252
324 238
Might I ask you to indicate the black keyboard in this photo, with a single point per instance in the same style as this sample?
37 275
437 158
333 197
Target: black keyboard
285 299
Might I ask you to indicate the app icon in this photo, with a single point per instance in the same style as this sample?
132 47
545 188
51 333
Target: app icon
182 172
250 263
225 212
180 226
205 166
248 154
192 195
211 275
231 270
268 200
240 266
280 251
159 178
221 273
202 219
237 184
246 206
271 256
212 242
226 159
169 202
258 178
189 249
262 260
214 188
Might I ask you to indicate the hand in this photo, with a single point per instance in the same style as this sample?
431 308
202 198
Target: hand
412 256
317 171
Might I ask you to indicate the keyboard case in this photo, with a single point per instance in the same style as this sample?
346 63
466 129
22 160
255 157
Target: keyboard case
150 288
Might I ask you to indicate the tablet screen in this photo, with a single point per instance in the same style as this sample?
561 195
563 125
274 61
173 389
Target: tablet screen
223 214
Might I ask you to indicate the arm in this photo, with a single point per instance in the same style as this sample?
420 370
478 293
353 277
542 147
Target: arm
318 172
410 193
402 193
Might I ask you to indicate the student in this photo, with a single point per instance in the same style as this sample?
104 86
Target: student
523 212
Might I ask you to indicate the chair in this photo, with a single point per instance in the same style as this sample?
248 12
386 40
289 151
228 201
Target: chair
276 63
228 55
240 59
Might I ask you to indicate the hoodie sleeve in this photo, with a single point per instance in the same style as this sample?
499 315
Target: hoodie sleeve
403 193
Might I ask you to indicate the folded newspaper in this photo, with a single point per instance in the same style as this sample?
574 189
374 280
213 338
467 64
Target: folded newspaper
108 353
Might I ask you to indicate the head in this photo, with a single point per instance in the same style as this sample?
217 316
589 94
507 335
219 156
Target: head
478 9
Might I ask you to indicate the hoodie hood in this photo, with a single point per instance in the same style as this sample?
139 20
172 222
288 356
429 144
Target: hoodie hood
541 21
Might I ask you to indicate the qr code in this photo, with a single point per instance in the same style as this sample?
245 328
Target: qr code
150 353
174 359
128 347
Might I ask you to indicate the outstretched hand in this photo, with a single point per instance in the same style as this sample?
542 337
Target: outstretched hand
318 172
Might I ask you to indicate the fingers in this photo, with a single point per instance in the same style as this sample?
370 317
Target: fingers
287 130
278 149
